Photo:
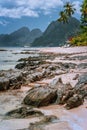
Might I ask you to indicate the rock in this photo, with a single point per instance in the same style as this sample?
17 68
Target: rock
82 80
78 57
82 66
77 94
35 77
45 120
16 80
58 93
11 79
41 96
4 83
76 77
3 50
24 112
20 65
83 91
81 86
74 101
68 65
66 95
64 91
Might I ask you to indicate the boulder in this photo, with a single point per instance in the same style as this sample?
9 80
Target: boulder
16 80
43 122
4 83
24 112
82 80
11 79
20 65
41 96
75 101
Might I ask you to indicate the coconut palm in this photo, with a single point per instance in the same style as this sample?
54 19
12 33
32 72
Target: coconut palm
63 17
68 12
84 16
69 9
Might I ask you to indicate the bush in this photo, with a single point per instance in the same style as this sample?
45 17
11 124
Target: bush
80 40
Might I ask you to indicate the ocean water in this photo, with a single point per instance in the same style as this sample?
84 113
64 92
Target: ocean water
9 58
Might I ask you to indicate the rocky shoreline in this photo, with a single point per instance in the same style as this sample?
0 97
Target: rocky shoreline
52 78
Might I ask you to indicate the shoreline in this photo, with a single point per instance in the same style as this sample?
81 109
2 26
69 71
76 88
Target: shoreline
54 62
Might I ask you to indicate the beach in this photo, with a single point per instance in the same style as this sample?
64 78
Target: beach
45 73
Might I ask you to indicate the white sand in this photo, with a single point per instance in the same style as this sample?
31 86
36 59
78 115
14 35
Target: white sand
63 50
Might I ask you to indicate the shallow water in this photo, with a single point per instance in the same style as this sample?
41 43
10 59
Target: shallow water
9 58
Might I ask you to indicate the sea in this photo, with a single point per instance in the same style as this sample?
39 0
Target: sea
9 56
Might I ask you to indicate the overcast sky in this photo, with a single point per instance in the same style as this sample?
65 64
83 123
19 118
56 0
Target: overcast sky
31 13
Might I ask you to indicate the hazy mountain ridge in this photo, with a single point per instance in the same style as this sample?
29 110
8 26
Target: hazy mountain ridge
57 33
20 37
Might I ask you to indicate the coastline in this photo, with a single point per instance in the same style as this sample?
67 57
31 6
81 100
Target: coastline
74 119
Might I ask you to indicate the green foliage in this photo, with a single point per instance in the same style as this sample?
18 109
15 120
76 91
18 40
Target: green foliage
63 18
68 12
69 9
84 16
80 40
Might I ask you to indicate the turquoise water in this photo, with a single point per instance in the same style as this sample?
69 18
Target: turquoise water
9 58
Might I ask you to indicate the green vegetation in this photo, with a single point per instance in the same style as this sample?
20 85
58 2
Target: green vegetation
63 18
67 13
80 39
84 16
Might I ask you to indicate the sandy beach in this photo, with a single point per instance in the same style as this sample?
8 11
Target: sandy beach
73 119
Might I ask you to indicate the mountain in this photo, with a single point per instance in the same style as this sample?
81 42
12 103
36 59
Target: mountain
21 37
57 33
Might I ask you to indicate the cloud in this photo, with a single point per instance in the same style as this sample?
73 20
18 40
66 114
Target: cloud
33 8
41 4
28 8
17 12
77 5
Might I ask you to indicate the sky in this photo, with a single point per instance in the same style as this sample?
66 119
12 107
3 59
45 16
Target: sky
15 14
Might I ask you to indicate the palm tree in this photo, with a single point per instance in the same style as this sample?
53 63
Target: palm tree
63 17
84 16
69 10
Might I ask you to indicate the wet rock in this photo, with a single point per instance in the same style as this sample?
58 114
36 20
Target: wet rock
76 77
81 86
27 52
16 80
35 77
82 80
30 61
65 96
74 101
59 93
24 112
20 65
78 57
74 97
11 79
45 121
41 96
62 89
82 66
4 83
68 65
64 93
83 91
3 50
